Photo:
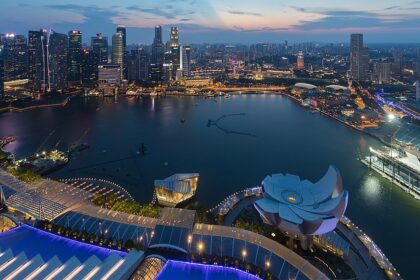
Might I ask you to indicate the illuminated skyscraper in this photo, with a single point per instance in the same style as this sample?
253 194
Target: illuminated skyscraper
37 60
15 57
174 37
157 47
359 58
99 45
118 49
58 52
300 61
185 61
75 57
89 68
123 30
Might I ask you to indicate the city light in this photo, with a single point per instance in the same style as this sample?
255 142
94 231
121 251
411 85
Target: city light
200 246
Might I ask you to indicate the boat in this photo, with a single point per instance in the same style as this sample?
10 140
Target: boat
182 120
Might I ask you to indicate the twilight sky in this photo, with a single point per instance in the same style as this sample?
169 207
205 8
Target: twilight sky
241 21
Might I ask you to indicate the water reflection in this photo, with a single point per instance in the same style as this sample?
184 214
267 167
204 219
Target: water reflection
371 189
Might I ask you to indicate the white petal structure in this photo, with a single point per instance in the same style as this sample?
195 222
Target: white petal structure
301 207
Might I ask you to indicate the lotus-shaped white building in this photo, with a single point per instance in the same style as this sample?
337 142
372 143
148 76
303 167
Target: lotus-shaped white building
302 207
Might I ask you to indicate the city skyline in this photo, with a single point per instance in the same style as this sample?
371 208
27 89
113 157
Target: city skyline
218 22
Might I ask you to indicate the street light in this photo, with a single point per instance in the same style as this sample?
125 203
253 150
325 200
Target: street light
267 264
200 246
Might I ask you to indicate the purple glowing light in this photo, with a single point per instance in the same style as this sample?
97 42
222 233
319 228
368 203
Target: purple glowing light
192 271
34 241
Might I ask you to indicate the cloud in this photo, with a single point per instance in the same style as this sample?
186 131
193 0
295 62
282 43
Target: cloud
244 13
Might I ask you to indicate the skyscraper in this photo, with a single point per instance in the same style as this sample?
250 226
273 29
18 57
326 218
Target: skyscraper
158 34
359 58
157 47
58 52
89 68
185 61
15 57
37 60
144 60
174 37
300 61
75 57
118 49
123 30
382 71
99 45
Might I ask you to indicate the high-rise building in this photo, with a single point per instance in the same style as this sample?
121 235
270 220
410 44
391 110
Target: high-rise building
123 30
167 68
382 72
75 57
89 68
155 73
157 47
99 45
58 52
37 60
158 34
300 61
174 37
118 50
359 58
15 57
144 60
176 59
185 60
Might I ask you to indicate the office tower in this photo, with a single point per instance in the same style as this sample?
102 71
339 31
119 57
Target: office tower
58 52
118 50
283 63
174 37
144 60
185 61
167 68
300 62
75 57
99 46
155 73
133 65
157 47
89 68
382 72
359 58
123 30
15 57
176 56
37 60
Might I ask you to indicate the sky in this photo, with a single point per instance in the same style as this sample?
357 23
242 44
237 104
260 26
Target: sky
221 21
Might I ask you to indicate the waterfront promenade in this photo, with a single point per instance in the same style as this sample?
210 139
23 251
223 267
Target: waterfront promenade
174 229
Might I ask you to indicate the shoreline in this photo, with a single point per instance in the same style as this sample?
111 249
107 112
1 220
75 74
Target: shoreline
32 107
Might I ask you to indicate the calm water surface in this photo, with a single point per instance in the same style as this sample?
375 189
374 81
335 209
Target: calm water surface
272 135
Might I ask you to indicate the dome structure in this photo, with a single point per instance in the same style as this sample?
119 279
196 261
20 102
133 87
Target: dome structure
302 207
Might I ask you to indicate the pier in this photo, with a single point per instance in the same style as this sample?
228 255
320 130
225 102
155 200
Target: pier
403 171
